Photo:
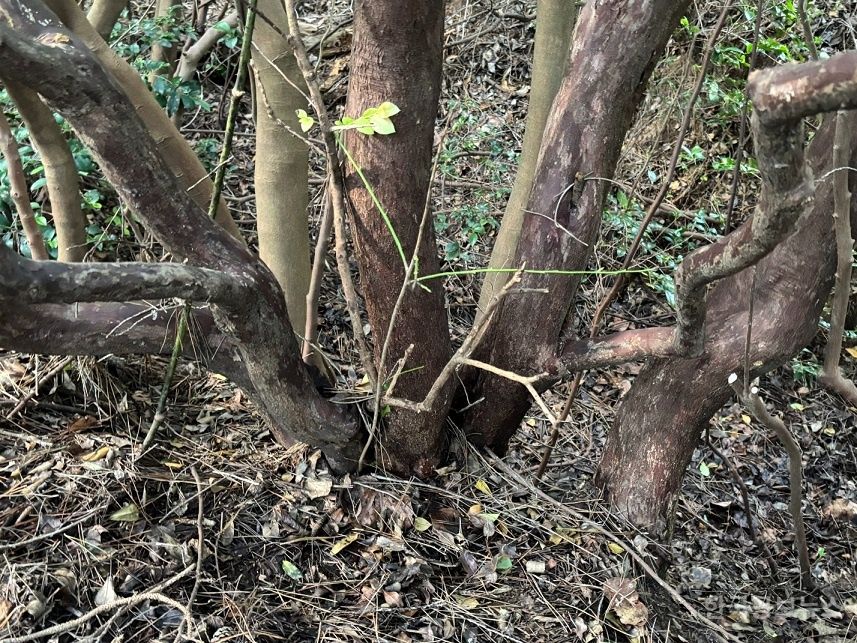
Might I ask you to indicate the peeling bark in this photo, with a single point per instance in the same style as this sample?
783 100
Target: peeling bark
660 420
616 45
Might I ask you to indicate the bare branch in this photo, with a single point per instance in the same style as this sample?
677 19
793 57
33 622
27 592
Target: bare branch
667 179
52 282
194 54
118 329
831 376
757 407
60 171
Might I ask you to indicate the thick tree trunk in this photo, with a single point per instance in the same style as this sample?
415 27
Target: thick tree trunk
281 169
660 421
396 57
616 45
554 27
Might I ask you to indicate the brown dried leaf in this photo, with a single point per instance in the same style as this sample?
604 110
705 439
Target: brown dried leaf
625 601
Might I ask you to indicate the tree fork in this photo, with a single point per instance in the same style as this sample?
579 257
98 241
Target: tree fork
661 419
49 59
614 41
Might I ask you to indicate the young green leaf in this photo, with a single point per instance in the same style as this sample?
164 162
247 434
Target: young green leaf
382 125
388 109
291 570
306 121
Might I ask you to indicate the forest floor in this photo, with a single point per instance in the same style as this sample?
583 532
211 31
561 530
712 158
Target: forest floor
101 543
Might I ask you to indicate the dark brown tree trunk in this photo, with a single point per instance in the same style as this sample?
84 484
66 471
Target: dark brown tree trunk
660 421
396 56
616 45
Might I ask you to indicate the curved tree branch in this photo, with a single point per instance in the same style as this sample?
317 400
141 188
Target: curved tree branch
40 53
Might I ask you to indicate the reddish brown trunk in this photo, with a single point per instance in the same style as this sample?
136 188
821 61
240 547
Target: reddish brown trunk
661 419
616 45
396 56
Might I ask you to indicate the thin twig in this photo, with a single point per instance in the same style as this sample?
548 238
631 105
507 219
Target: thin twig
47 377
745 499
742 127
470 343
807 30
314 291
757 407
50 534
628 547
337 194
566 409
200 554
117 604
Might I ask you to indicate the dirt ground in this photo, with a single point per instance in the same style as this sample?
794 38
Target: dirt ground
218 534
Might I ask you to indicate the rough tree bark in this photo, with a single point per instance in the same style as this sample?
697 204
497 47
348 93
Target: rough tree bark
661 419
615 48
60 171
282 161
554 27
396 56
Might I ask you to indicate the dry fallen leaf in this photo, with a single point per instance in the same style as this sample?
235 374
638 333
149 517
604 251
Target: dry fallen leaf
625 601
841 509
106 594
317 487
5 610
128 513
341 544
98 454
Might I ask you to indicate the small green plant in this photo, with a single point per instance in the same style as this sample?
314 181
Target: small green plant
374 120
468 224
95 193
805 367
231 35
665 242
134 42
